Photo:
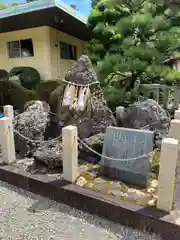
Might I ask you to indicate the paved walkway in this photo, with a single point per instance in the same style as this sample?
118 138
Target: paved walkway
25 216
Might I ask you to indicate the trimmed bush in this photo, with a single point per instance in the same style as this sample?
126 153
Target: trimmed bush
4 75
44 89
28 76
15 71
14 94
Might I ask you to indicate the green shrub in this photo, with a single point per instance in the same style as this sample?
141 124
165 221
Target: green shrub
14 94
44 89
28 76
4 75
15 71
119 97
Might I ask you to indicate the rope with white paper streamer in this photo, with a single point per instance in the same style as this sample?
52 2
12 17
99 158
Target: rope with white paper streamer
79 85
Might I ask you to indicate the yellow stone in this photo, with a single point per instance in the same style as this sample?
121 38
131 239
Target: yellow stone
81 181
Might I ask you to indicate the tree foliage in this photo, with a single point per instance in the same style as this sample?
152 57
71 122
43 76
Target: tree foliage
94 2
131 41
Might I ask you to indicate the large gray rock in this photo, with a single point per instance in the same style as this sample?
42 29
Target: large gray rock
49 153
82 72
90 121
148 115
30 125
94 142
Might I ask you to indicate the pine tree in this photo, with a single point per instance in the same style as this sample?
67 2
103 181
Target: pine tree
132 40
94 2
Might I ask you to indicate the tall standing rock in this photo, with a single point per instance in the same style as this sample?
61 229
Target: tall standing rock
31 124
90 121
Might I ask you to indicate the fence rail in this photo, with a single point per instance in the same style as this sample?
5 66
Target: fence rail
163 91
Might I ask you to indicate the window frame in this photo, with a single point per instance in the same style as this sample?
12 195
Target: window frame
73 49
20 48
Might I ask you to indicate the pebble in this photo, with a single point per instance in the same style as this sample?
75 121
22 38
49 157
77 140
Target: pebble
137 195
117 193
154 183
152 202
151 190
81 181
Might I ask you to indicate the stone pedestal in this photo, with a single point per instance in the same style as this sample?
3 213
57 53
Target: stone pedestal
177 114
70 153
7 148
8 111
119 112
168 161
174 131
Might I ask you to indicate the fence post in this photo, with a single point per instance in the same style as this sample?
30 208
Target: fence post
120 111
177 114
165 97
176 98
8 111
157 95
70 153
7 146
166 179
174 130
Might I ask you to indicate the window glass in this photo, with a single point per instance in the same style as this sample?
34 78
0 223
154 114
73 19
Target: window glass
27 48
67 51
14 49
21 48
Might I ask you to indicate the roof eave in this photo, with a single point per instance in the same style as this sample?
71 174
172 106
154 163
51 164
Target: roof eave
40 5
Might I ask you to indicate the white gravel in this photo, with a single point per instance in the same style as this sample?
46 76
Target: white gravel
25 216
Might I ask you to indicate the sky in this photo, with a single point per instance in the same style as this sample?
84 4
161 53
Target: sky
82 5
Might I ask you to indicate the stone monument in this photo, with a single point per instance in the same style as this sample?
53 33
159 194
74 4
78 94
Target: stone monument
91 116
131 153
96 116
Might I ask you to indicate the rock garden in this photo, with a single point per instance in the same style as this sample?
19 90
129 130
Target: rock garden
118 155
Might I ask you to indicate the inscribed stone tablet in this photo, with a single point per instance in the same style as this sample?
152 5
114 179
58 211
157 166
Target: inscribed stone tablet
132 153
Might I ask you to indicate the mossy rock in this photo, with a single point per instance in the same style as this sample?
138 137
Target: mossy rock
4 75
16 95
44 89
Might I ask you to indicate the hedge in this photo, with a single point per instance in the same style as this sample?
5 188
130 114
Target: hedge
28 76
44 89
14 94
4 75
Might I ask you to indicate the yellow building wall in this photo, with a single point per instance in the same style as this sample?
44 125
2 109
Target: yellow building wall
61 66
46 57
41 58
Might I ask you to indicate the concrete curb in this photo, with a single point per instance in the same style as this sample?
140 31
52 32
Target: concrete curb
125 213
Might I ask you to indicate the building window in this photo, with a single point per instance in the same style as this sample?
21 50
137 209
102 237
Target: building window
68 51
21 48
